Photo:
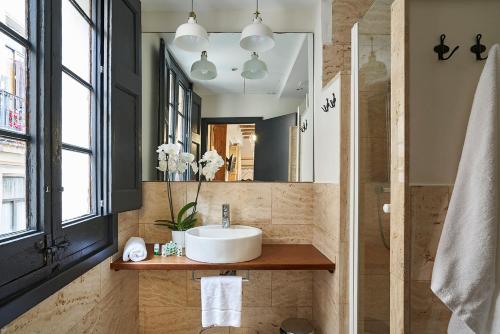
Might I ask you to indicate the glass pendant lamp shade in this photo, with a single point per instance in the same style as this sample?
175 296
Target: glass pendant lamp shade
203 69
191 36
257 37
254 68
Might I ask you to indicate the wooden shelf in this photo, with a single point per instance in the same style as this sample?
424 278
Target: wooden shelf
274 257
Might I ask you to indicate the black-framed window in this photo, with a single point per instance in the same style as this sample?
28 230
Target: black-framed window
16 139
175 105
78 110
70 95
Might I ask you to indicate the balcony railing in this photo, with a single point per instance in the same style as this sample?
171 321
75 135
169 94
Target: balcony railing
12 112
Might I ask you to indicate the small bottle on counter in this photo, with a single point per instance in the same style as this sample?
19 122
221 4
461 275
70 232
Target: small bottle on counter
164 250
157 249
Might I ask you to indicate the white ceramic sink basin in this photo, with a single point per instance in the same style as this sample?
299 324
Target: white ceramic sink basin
214 244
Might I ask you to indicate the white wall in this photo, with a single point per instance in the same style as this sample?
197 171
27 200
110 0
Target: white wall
251 105
441 93
327 136
291 20
326 125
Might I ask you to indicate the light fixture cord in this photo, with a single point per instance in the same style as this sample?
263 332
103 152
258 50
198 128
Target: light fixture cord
192 14
257 13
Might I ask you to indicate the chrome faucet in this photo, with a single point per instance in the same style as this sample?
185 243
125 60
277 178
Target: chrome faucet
226 220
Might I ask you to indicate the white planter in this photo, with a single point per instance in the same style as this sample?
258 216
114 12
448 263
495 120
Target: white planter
179 238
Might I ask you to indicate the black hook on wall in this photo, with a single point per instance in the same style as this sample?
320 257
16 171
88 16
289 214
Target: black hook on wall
330 103
442 49
478 48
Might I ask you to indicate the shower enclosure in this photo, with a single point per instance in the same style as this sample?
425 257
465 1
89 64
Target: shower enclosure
371 47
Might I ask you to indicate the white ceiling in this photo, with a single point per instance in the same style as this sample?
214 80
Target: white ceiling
287 64
213 5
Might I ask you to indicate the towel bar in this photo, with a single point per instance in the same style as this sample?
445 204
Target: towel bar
222 273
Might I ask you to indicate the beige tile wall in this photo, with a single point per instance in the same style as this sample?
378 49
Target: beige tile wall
284 211
287 213
327 303
99 301
429 205
337 55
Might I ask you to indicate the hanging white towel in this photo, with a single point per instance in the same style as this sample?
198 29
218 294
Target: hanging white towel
135 250
466 274
221 301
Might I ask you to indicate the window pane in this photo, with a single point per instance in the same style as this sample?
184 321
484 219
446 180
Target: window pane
85 5
13 15
76 184
171 87
171 120
75 112
13 84
180 128
13 189
182 95
76 41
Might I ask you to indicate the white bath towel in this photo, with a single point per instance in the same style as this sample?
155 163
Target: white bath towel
135 250
466 274
221 301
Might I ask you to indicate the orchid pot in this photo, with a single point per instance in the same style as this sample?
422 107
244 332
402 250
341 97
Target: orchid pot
172 162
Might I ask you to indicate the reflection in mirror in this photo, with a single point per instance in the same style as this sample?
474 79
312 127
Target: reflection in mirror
252 108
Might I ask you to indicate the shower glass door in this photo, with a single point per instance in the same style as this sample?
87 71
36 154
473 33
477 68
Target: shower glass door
371 43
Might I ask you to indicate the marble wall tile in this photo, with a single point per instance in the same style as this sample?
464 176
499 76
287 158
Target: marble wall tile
127 220
326 243
159 288
428 314
375 294
373 166
170 320
429 205
117 313
375 257
288 234
292 288
155 201
326 234
326 207
63 309
325 302
267 319
152 233
250 202
292 203
373 117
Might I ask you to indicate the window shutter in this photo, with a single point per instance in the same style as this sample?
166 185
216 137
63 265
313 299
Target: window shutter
125 106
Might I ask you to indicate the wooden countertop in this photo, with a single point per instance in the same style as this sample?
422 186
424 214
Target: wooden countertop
274 257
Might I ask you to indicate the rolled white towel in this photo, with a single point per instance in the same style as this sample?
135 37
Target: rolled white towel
135 250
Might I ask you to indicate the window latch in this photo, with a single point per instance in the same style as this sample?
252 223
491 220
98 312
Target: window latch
52 250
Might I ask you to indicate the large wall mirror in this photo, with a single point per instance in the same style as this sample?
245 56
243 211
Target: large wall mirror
254 109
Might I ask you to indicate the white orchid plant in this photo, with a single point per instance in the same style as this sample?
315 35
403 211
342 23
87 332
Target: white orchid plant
173 162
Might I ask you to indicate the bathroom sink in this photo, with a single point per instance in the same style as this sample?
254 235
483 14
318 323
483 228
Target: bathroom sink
214 244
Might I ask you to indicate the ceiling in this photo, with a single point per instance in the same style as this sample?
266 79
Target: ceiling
216 5
287 65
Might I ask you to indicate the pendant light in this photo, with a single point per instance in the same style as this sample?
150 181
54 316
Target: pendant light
257 37
254 68
203 69
191 36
